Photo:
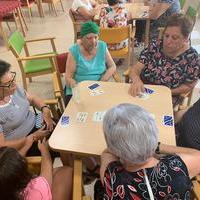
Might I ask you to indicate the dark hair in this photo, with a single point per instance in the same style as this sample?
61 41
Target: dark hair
112 2
14 175
4 67
181 21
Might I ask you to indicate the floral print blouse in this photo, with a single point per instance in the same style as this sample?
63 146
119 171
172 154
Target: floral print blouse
110 18
169 180
160 69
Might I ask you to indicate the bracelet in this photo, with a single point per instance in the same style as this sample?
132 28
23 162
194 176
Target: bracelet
158 148
45 106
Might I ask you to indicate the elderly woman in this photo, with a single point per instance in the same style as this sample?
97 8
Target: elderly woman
170 62
16 182
84 9
129 169
17 122
114 15
88 59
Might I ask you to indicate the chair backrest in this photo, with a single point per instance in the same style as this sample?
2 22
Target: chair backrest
16 43
77 22
115 35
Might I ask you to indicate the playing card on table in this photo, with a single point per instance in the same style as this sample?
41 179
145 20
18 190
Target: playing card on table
81 117
96 92
149 91
168 120
98 116
64 120
143 96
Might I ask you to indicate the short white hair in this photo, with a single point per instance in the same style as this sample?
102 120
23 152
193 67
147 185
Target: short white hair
130 133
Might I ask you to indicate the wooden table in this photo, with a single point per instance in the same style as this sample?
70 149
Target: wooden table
143 11
88 138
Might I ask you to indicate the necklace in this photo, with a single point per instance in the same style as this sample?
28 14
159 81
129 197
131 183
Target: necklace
8 100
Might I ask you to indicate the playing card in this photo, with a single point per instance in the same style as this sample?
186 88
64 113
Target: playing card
149 91
64 120
98 116
96 92
143 96
81 117
93 86
168 120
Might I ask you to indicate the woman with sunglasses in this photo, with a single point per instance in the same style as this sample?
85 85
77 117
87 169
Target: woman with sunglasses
17 122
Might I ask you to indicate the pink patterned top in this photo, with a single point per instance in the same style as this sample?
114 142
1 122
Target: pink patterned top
114 17
38 188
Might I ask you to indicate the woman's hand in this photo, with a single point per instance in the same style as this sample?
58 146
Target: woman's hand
136 87
40 133
43 147
48 120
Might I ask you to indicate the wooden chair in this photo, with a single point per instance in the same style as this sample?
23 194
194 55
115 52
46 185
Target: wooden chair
52 5
76 24
34 164
29 4
78 191
116 35
196 188
32 65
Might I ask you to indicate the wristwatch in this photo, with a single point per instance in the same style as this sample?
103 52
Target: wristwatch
45 106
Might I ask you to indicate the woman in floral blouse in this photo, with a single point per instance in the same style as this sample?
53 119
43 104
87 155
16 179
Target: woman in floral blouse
129 169
171 62
114 15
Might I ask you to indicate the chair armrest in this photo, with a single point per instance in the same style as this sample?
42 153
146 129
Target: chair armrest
37 57
40 39
117 77
127 72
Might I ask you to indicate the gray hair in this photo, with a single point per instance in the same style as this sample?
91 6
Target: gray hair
130 133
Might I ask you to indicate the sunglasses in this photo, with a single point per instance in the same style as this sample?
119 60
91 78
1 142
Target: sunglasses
11 82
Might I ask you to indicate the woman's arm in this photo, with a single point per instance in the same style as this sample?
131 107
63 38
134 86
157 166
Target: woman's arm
184 88
137 85
106 158
111 67
70 70
190 157
16 143
39 103
85 13
46 164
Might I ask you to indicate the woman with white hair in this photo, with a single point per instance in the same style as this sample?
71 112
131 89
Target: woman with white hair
129 169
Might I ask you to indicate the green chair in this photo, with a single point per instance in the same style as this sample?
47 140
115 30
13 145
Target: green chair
182 2
32 65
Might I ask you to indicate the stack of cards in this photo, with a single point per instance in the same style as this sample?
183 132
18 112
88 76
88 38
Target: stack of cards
168 120
95 89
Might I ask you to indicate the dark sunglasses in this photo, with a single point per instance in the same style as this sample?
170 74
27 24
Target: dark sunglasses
11 82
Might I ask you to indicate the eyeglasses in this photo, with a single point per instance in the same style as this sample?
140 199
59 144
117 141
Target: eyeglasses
11 83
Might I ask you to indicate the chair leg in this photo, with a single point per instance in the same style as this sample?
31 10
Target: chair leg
30 79
4 35
24 83
23 18
62 5
8 26
54 8
20 21
29 13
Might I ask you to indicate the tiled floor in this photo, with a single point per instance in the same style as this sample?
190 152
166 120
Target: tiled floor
61 28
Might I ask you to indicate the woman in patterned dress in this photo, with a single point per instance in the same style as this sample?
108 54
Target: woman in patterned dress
129 167
171 62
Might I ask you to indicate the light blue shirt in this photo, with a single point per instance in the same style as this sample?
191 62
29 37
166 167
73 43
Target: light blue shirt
92 69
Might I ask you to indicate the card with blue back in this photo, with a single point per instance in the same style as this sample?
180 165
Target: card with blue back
168 120
64 120
149 91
